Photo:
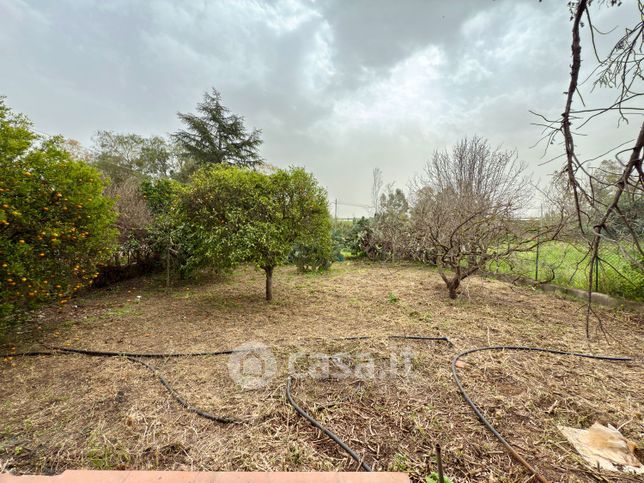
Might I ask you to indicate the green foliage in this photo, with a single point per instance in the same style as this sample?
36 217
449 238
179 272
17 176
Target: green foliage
55 223
392 298
337 238
391 230
236 215
434 478
103 454
215 136
121 156
313 258
400 463
340 230
313 248
358 241
160 194
566 264
169 232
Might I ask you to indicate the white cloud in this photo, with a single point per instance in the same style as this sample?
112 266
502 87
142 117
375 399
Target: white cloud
318 70
410 93
285 15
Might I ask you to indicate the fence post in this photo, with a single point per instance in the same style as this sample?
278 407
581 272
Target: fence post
536 267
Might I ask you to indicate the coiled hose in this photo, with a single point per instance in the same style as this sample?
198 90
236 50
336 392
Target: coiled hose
485 421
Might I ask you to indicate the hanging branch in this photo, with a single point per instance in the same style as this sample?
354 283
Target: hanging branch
621 69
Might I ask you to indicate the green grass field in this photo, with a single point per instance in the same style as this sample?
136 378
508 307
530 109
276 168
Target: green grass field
567 264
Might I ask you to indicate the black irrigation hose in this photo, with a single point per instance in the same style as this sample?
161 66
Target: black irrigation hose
421 337
165 355
152 355
326 431
478 411
137 356
330 433
181 400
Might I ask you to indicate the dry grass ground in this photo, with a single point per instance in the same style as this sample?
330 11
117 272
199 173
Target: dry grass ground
72 411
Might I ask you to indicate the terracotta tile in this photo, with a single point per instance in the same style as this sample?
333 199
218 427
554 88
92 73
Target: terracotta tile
83 476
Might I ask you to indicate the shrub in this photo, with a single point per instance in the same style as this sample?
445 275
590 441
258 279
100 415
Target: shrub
391 230
360 239
136 254
55 223
169 234
160 194
313 258
133 221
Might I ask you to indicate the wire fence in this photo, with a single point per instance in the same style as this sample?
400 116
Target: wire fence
617 271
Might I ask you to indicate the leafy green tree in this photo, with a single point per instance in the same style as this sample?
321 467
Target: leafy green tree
238 215
169 235
122 156
160 194
215 136
56 225
391 230
307 211
159 158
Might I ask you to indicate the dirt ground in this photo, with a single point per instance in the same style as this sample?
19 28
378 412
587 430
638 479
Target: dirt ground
73 411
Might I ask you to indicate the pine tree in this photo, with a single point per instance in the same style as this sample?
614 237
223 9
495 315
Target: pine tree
216 136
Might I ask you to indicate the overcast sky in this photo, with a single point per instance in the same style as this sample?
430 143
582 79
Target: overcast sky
339 87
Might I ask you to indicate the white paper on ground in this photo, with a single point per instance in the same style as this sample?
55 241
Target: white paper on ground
604 447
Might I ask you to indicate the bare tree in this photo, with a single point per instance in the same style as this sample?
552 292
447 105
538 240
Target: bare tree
134 219
620 70
466 210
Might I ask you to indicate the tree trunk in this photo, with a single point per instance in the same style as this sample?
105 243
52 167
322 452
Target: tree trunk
269 283
167 270
452 286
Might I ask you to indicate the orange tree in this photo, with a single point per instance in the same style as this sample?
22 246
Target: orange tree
56 225
235 215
